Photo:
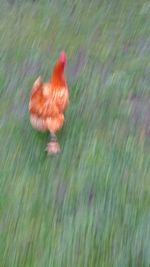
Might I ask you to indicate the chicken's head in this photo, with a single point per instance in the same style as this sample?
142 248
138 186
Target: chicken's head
63 57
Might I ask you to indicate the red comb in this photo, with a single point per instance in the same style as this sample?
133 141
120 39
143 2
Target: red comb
62 57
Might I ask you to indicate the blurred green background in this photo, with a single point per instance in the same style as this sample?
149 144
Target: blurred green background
89 206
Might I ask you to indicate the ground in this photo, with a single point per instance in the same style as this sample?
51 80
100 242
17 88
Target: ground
90 205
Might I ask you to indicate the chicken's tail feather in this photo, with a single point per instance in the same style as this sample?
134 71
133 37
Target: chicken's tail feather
37 84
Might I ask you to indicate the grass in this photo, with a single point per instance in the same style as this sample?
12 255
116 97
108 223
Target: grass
90 205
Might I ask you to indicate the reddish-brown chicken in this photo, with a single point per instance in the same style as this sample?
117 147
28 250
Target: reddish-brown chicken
48 102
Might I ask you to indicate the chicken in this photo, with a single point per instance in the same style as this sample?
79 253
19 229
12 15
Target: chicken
48 102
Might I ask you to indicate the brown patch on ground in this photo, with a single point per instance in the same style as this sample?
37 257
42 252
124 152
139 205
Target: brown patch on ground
140 114
79 62
140 111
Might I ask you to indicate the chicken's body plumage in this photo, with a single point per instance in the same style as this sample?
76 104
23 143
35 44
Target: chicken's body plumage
49 100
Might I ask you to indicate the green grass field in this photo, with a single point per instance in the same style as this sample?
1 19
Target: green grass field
89 206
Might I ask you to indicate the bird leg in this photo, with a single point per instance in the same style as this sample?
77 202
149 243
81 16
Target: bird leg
53 146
